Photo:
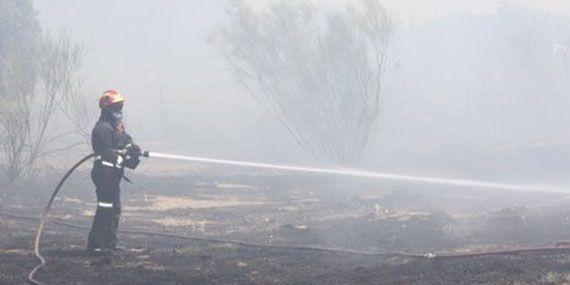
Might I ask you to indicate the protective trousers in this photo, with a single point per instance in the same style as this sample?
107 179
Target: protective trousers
103 232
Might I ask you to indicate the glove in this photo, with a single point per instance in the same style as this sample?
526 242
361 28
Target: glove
132 162
133 156
134 150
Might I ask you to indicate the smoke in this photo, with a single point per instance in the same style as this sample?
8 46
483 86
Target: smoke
360 173
478 92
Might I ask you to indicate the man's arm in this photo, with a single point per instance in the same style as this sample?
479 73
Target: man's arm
133 154
102 139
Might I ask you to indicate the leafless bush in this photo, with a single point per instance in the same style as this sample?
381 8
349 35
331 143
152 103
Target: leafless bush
320 74
31 124
15 133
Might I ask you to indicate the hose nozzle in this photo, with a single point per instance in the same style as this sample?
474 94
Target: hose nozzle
145 154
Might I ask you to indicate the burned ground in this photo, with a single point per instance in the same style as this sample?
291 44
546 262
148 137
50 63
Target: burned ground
285 209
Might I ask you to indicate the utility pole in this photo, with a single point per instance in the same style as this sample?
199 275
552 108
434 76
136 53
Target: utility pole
163 115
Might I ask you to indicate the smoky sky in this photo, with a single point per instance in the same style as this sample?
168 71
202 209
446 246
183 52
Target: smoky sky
159 54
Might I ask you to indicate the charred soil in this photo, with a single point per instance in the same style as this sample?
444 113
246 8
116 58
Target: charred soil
296 210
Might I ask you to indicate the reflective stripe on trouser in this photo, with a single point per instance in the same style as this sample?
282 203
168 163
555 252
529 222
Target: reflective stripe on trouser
103 232
104 204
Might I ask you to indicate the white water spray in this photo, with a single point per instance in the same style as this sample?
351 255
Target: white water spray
362 173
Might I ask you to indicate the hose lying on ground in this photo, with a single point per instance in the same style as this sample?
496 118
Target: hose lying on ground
436 255
45 214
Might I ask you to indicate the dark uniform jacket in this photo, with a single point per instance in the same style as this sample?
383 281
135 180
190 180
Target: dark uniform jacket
106 141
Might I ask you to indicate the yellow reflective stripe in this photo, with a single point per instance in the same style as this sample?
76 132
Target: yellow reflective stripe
119 163
106 163
119 160
105 204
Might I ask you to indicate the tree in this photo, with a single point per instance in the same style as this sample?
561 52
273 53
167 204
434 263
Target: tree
19 38
38 83
57 96
320 74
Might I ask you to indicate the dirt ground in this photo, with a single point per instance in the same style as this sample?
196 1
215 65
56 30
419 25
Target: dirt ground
290 209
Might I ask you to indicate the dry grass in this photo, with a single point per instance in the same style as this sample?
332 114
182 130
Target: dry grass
166 203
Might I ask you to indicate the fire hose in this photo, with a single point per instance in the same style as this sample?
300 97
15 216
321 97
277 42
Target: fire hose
358 173
45 214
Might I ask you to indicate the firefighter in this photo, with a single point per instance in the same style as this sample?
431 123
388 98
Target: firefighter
115 150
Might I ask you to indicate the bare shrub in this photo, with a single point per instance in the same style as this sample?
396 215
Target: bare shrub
319 73
33 126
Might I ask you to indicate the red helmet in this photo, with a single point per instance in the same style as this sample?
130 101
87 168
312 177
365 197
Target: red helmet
109 98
